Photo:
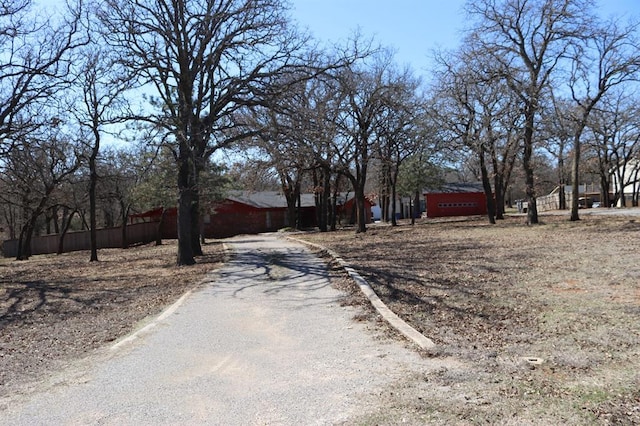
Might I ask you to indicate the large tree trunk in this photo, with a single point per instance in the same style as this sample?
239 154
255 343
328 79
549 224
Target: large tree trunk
562 198
416 207
636 189
317 198
30 219
394 207
292 208
196 247
322 183
575 181
66 223
532 208
486 185
334 211
93 238
291 194
26 233
124 211
196 217
334 203
298 213
360 181
93 182
499 193
360 209
325 202
24 242
605 199
159 227
185 202
498 185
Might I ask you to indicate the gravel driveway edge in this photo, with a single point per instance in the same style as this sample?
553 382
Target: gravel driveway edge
422 341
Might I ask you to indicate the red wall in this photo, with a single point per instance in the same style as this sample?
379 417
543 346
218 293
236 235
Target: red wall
456 204
348 211
231 218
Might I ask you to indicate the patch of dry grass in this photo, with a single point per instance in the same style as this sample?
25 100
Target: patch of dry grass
491 296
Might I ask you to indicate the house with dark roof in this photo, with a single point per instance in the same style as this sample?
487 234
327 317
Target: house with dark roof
247 212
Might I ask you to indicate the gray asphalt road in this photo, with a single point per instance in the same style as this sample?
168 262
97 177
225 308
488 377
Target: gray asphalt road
264 342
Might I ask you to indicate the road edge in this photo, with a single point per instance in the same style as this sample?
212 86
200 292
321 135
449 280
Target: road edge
169 310
422 341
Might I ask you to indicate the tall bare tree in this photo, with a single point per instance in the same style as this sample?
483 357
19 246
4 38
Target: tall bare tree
100 85
202 60
364 90
32 173
402 128
608 58
37 55
615 142
481 115
528 39
557 129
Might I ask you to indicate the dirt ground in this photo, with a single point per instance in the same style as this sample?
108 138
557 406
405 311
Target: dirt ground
541 323
538 324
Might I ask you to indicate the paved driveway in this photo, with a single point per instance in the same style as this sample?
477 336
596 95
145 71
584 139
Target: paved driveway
265 341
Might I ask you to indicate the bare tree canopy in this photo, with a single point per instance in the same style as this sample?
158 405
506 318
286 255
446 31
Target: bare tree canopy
205 60
528 39
607 58
36 59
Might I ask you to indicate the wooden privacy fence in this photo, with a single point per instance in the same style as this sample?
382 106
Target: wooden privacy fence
137 233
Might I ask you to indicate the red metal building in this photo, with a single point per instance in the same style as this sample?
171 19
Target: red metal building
456 200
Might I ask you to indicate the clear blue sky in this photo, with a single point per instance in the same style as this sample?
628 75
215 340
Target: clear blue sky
414 28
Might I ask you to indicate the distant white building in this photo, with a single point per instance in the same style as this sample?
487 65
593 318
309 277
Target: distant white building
630 184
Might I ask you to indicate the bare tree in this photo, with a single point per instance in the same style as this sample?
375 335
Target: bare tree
557 129
101 85
328 180
402 129
364 91
607 59
203 60
37 55
482 117
528 39
615 143
32 172
282 141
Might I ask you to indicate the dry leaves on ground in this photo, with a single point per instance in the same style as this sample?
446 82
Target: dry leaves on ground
493 296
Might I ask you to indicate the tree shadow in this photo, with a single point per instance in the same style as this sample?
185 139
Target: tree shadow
291 274
427 291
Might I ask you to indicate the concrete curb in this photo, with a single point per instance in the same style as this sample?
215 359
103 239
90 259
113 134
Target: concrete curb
394 320
135 335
